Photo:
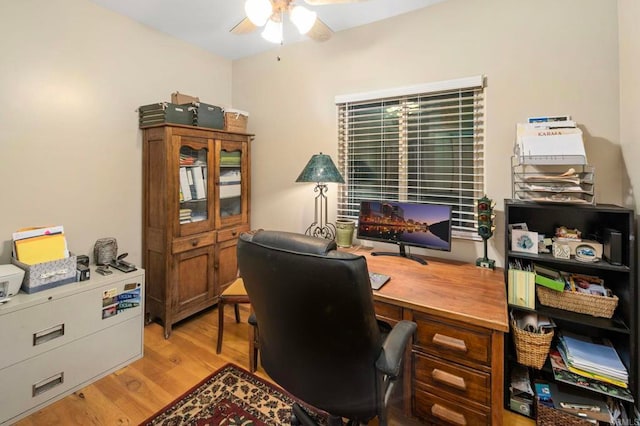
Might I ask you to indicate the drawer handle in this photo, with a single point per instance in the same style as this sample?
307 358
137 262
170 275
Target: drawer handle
234 233
44 336
194 243
449 342
47 384
445 414
448 379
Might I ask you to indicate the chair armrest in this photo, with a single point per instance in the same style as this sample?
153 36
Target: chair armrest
393 347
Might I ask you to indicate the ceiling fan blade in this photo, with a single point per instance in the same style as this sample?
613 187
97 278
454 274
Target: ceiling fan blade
320 31
321 2
243 27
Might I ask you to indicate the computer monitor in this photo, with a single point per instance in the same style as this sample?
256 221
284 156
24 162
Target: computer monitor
405 224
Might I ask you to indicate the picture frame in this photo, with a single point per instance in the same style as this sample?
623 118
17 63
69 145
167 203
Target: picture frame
524 241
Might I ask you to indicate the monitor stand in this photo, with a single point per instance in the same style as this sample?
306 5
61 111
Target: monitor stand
401 253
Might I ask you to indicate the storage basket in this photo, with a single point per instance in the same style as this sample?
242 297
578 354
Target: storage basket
548 416
531 348
583 303
235 120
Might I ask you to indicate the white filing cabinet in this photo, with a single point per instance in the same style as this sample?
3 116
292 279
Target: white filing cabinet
57 341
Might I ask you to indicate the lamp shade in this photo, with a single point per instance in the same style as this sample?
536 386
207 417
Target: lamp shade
258 11
273 31
302 18
320 169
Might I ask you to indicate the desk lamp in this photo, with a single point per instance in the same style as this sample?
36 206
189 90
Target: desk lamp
321 169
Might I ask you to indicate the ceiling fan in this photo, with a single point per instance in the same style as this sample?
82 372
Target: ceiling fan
270 14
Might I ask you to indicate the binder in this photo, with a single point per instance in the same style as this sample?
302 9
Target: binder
198 180
184 184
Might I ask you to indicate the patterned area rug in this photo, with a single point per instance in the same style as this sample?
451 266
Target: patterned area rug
231 397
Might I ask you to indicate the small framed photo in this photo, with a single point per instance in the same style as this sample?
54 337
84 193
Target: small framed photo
522 226
524 241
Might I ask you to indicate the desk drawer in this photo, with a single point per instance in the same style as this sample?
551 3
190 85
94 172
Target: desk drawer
452 378
439 411
450 339
387 311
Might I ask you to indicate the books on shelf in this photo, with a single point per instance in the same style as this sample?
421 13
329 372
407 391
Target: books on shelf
562 374
593 357
184 184
185 216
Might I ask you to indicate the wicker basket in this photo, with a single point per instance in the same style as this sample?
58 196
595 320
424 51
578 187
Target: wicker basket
532 349
583 303
235 121
547 416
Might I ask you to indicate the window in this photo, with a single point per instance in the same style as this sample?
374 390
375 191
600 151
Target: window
418 144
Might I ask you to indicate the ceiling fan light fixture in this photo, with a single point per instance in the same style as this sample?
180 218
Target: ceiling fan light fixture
302 18
258 11
273 31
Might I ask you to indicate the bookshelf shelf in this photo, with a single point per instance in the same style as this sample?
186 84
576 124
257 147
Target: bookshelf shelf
622 328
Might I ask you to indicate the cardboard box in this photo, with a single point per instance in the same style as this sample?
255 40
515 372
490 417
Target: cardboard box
181 98
46 275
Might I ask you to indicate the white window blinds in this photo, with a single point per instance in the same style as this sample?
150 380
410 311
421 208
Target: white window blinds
420 144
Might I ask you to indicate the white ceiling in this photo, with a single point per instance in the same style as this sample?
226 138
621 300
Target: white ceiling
206 23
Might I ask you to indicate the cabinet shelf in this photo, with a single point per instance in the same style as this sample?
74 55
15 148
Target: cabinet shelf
548 258
615 324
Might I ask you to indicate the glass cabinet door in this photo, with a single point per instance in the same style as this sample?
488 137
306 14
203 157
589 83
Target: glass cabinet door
231 203
193 191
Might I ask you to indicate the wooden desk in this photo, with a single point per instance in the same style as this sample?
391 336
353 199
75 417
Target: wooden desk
455 374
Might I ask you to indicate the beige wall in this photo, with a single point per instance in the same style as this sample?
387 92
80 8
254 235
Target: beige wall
72 76
629 36
543 57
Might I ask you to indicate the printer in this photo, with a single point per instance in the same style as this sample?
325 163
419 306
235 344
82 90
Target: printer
10 281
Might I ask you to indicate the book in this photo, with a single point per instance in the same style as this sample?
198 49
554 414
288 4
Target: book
549 277
184 184
198 180
593 355
562 374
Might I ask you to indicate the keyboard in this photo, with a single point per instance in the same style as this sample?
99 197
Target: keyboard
378 280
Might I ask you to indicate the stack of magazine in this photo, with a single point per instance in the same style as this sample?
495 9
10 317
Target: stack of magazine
591 363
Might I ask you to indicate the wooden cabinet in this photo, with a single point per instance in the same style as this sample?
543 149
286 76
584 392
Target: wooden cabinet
60 340
196 204
620 277
453 374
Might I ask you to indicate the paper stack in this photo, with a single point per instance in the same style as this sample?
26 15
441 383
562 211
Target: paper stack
40 244
594 358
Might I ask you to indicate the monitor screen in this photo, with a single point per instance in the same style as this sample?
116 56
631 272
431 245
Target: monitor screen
405 224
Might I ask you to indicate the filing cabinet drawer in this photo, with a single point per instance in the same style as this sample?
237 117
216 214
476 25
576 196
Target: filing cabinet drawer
230 234
439 411
450 339
180 245
61 318
31 384
458 380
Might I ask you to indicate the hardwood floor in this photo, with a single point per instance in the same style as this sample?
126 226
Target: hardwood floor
168 369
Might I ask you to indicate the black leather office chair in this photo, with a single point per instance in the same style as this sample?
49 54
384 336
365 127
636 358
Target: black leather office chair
318 334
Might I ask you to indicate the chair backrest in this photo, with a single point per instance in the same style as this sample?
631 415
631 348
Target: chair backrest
319 338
